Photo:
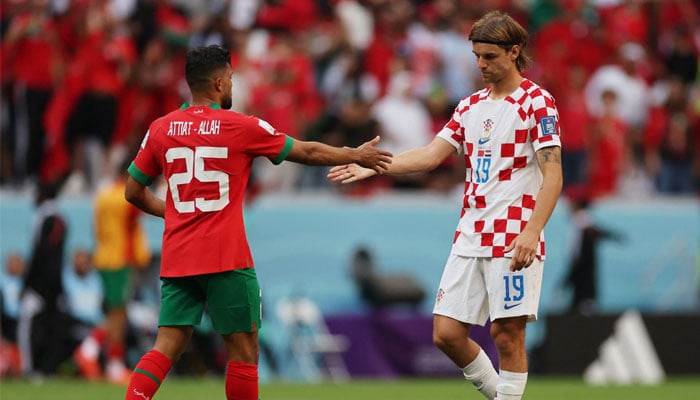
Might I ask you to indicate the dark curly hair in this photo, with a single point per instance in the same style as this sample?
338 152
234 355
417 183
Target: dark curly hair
201 63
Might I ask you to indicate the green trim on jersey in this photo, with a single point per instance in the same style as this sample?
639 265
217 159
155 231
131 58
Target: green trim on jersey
138 175
286 149
212 105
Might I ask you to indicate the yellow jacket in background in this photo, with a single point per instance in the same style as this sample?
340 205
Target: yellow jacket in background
120 240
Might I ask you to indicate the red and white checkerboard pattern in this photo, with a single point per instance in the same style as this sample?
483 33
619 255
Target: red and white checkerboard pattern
495 211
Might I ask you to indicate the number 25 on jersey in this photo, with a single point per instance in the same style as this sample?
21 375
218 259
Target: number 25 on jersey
194 168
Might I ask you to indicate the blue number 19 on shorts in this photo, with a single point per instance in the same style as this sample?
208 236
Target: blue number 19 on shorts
516 283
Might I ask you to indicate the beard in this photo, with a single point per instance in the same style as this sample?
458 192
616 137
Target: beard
488 77
227 102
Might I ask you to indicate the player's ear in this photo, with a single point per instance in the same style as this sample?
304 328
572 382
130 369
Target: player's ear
514 52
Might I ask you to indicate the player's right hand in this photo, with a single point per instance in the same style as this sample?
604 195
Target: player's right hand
349 173
372 157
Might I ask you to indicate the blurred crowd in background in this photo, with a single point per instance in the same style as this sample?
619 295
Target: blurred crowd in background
82 80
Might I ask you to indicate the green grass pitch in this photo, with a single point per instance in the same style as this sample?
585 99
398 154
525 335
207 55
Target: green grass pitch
538 388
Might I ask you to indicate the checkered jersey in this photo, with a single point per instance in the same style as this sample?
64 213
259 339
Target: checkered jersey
499 139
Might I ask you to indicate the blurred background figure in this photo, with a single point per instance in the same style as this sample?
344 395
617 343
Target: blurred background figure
120 246
582 277
42 302
671 139
575 117
83 289
381 290
85 297
108 52
676 157
608 150
404 123
10 288
33 31
625 79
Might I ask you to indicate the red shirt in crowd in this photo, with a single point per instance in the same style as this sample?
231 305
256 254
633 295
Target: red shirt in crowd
32 56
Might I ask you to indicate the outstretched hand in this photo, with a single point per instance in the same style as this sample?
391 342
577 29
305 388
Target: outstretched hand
372 157
349 173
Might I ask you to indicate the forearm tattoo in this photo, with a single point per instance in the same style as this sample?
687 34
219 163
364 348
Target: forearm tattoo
549 154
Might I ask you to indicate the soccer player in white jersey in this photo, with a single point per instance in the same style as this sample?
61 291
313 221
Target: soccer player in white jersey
509 136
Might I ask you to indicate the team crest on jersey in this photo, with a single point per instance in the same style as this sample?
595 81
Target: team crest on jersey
548 125
486 134
440 295
145 139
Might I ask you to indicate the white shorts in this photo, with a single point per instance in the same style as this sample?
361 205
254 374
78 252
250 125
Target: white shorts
474 288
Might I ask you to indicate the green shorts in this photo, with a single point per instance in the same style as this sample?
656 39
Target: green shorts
232 297
115 284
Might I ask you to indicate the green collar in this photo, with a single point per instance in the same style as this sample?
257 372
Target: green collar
212 105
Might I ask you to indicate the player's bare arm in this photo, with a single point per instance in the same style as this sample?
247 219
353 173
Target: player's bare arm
367 155
421 159
524 246
140 196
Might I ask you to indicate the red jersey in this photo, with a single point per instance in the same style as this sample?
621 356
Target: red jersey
31 58
205 155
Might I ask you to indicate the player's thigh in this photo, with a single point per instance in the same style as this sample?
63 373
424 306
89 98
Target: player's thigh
513 293
234 301
462 293
182 301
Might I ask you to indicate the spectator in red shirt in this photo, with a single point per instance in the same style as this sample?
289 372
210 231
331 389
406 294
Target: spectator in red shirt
627 22
287 15
389 45
108 53
607 148
671 146
31 34
574 116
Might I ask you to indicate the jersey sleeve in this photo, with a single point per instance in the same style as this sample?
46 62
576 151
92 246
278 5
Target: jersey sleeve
544 130
453 132
264 140
145 168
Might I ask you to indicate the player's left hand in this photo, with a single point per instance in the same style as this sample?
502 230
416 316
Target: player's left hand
524 248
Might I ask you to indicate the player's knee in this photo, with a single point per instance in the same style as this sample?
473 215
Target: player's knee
508 334
172 341
445 340
242 347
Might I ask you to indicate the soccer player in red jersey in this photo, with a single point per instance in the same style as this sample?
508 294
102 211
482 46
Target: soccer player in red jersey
509 136
205 154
